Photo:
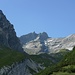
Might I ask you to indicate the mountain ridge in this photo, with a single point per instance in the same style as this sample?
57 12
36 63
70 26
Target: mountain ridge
32 36
48 45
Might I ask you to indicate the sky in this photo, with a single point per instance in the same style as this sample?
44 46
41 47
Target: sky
56 17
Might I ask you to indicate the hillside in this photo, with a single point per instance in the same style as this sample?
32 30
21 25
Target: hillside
65 67
9 56
16 63
48 59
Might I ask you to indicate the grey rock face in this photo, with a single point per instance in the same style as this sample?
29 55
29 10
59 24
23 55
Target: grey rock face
26 38
44 44
43 36
27 67
31 36
7 34
55 44
34 43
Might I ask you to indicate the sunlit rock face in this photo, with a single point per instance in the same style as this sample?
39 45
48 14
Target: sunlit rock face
36 43
61 43
43 44
7 34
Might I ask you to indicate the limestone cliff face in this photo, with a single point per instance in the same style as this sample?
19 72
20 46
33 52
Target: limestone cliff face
7 34
43 44
33 43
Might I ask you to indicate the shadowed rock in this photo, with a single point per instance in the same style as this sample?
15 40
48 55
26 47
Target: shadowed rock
7 34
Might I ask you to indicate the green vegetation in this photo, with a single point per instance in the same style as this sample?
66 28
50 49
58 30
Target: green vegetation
42 59
9 56
65 67
48 59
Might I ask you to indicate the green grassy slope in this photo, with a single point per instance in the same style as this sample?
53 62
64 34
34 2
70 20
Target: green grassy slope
48 59
65 67
9 56
43 59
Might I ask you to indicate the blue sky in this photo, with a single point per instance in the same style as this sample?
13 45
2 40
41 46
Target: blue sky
56 17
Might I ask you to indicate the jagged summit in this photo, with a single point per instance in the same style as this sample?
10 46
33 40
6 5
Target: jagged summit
7 34
43 36
31 36
28 37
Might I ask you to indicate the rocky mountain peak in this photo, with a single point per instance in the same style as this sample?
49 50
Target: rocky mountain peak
43 36
34 42
28 37
7 34
33 36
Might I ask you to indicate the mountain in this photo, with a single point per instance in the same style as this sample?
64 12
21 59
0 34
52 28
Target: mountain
33 43
13 60
8 35
44 44
26 38
31 36
47 51
65 67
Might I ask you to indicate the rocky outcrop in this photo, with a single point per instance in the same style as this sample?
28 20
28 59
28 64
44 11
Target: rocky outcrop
7 34
26 67
31 36
28 37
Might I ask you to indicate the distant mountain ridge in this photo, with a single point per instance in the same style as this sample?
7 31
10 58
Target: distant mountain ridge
42 43
31 36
